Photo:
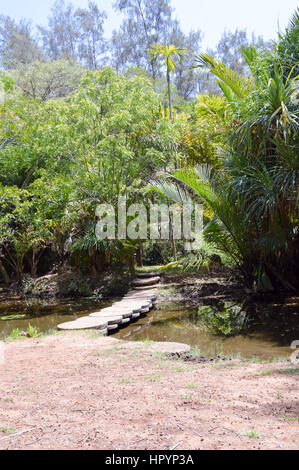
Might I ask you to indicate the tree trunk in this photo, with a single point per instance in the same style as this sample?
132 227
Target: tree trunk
4 273
131 266
169 94
139 255
171 238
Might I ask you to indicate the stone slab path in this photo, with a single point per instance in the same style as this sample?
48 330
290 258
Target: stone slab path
135 303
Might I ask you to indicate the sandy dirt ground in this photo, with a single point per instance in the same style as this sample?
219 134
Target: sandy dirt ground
82 391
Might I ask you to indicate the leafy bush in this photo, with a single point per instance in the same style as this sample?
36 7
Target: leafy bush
225 320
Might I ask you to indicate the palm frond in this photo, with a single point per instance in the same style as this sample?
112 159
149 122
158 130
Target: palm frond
294 21
238 85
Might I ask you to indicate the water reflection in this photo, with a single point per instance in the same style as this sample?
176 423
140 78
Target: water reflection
176 322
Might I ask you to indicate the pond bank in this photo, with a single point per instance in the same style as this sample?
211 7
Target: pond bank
77 390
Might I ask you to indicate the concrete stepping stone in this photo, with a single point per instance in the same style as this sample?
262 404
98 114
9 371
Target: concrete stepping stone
135 315
112 327
84 323
123 312
146 282
111 319
132 308
141 295
144 310
136 308
142 299
134 302
145 288
132 305
145 291
139 307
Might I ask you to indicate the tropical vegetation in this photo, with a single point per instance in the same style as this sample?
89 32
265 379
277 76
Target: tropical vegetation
76 133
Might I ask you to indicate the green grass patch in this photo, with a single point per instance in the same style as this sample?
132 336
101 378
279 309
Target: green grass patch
192 386
122 358
6 430
25 391
186 397
253 435
124 381
179 369
155 377
289 418
158 356
279 371
15 334
147 342
227 365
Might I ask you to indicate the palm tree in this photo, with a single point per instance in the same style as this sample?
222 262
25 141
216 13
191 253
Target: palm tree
254 194
169 54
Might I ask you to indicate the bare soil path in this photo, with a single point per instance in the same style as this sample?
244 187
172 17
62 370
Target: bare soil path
77 390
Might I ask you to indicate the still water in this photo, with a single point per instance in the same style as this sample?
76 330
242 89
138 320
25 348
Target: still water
176 322
44 315
169 321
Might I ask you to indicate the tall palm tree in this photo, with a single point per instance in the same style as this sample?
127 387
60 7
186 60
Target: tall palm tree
169 54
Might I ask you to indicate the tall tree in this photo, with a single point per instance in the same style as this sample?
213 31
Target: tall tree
185 78
48 79
92 44
61 37
17 44
75 34
229 49
146 23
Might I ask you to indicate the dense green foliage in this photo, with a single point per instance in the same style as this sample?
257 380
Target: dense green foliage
253 191
61 158
72 138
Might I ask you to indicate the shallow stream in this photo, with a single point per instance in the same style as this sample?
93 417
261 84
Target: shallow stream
169 321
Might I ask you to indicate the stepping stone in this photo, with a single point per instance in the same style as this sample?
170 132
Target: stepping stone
111 319
112 327
146 275
135 308
144 288
133 302
144 310
135 315
146 282
141 294
124 312
145 291
84 323
142 299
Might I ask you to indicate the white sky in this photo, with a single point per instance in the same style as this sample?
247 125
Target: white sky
264 17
